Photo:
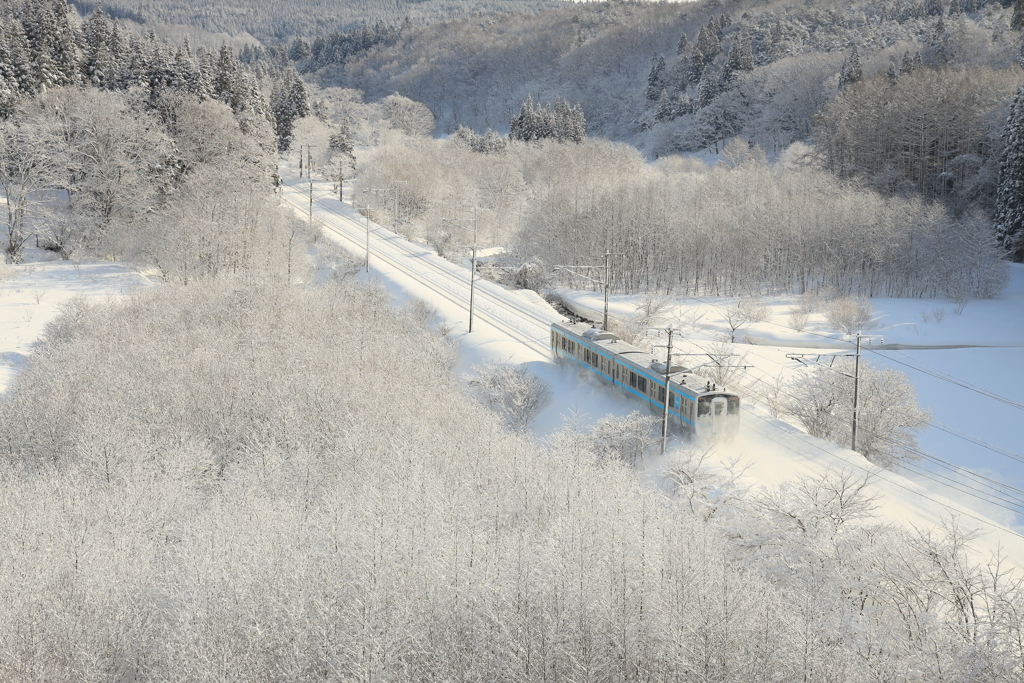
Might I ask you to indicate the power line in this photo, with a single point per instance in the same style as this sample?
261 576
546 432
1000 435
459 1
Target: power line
946 377
996 491
983 520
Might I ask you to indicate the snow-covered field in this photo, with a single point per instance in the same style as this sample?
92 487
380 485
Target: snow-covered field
513 326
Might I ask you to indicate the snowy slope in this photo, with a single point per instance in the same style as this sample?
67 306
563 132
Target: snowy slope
772 451
513 326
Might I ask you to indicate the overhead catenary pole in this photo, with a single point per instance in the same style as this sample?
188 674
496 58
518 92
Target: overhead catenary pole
607 284
300 160
367 208
472 269
668 374
856 395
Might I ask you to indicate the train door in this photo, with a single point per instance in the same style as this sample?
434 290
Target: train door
719 415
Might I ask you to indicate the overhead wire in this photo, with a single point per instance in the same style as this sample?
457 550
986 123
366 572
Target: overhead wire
895 483
998 491
978 493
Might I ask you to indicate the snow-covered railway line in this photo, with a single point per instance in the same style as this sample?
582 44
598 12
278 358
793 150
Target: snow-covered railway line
449 270
493 308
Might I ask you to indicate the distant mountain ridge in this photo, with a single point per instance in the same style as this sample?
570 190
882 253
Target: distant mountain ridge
279 20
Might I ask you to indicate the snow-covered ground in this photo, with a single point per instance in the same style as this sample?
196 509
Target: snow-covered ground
513 326
31 294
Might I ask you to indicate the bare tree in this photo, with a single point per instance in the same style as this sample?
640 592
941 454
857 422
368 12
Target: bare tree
510 390
821 399
624 438
850 315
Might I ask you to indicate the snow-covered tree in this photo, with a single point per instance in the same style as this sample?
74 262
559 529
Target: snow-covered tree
821 399
1010 195
511 391
851 71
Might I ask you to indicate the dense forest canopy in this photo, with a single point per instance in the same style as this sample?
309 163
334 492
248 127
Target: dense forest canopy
284 19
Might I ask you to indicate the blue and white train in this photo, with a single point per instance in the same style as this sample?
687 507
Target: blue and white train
696 404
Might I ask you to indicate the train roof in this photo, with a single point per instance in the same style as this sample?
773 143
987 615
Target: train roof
648 362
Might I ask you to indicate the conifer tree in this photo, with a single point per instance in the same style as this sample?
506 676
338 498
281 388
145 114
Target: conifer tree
851 71
707 43
521 127
696 65
289 102
1010 190
1017 20
740 58
683 46
656 78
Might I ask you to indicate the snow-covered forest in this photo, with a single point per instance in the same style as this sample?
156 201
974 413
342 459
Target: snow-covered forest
261 468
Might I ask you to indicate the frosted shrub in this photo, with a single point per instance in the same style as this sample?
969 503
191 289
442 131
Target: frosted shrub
821 400
624 438
511 391
755 310
849 315
798 318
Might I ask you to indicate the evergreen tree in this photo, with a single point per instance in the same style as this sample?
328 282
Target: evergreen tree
97 33
740 58
1017 20
893 72
225 75
656 77
300 50
666 109
683 46
289 102
851 71
521 127
1009 213
709 88
696 65
708 44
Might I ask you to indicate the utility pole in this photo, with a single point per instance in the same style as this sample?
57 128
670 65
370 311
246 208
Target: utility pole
341 179
367 209
668 374
604 283
300 160
856 395
472 270
856 380
607 283
311 203
394 217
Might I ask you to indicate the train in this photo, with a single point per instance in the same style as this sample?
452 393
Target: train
697 405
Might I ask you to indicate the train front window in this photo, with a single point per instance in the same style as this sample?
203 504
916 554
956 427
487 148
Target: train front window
734 405
703 407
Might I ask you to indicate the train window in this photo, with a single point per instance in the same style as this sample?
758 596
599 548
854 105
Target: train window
661 395
734 405
703 407
632 379
641 384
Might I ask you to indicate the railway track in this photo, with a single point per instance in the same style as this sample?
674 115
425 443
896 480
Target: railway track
493 305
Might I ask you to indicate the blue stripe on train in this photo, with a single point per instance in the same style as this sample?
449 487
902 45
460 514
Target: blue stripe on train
591 368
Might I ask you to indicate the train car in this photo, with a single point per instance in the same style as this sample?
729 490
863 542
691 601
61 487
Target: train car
696 404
